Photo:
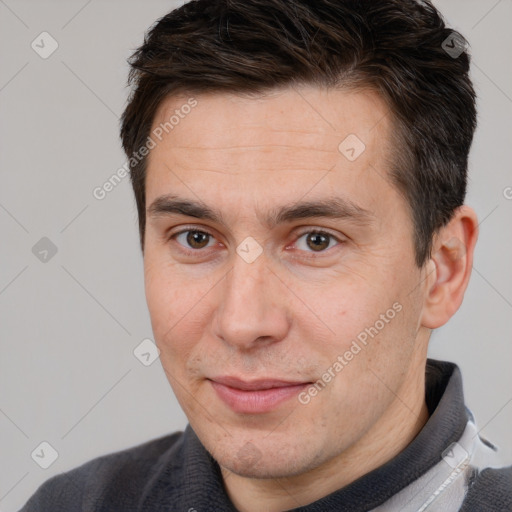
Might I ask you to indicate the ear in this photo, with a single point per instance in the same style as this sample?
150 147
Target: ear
449 268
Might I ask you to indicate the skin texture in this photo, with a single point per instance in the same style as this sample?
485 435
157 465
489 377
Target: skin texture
289 314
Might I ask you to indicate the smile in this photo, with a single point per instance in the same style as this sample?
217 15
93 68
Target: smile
255 397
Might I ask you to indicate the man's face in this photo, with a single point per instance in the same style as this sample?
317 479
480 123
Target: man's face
250 309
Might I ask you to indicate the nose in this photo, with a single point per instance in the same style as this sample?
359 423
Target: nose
252 306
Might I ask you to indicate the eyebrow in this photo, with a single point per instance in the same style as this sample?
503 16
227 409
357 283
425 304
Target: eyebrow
332 207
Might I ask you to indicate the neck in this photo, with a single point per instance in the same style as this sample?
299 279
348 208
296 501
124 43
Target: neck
396 428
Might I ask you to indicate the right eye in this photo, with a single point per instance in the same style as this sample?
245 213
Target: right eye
193 240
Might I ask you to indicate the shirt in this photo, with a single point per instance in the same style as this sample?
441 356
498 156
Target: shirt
447 467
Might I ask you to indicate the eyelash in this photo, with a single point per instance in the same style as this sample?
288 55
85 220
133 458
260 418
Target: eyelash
194 252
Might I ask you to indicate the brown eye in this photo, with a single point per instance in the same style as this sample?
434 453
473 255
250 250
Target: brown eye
193 239
316 241
197 239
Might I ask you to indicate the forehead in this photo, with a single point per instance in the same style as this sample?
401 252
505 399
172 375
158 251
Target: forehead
313 114
288 142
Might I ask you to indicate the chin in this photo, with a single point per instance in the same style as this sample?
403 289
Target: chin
270 469
267 460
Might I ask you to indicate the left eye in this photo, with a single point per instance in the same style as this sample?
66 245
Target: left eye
317 241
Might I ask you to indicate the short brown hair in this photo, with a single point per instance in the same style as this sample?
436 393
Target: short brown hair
398 47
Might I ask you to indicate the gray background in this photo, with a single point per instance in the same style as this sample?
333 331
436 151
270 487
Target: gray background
69 325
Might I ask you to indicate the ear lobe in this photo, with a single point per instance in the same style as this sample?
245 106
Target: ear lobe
452 257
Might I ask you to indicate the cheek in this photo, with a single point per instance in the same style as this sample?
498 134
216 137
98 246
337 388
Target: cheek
364 362
172 304
347 307
370 325
161 293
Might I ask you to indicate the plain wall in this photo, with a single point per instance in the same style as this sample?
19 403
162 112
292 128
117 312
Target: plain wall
69 326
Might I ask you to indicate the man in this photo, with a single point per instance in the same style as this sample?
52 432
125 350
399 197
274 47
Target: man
300 169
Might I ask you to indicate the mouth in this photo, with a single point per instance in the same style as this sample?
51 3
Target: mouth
255 396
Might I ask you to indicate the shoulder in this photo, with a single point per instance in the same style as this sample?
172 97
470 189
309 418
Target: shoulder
107 482
490 489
